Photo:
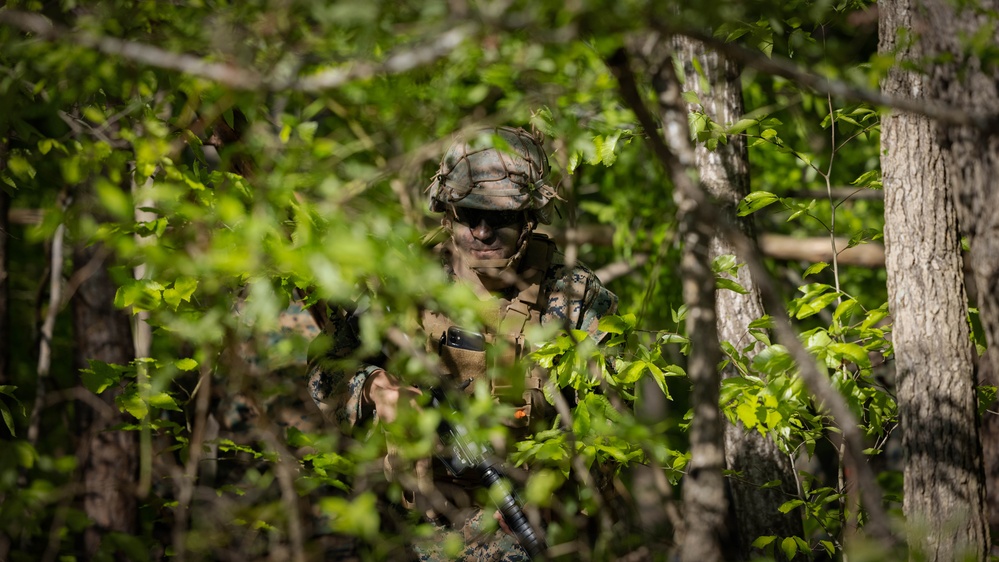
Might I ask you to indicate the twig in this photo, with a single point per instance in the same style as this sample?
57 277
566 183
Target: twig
986 122
43 27
80 394
48 326
240 78
621 268
187 481
88 270
401 61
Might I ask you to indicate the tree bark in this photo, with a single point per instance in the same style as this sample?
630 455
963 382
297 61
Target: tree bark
944 488
103 333
724 173
704 503
972 85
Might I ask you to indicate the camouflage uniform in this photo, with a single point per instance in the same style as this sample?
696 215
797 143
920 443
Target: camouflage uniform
575 300
473 174
237 412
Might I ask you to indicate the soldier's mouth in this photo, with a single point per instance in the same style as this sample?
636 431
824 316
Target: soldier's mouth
485 253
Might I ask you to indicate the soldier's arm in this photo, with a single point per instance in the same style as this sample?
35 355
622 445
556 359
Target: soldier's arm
337 379
597 301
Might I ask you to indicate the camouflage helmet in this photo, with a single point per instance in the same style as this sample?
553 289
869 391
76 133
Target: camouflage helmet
498 169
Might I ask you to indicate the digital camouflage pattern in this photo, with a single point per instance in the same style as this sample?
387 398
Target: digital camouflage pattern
480 173
575 300
498 169
480 544
284 350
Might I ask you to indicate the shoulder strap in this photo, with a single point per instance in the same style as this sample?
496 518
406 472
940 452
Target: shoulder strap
529 302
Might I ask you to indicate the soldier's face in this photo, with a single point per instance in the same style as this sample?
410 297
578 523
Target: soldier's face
486 235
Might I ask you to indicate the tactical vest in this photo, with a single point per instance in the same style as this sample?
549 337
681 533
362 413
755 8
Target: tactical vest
504 341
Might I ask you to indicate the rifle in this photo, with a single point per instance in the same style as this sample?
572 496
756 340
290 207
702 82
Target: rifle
466 454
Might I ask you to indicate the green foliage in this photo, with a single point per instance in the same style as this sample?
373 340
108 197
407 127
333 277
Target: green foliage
8 417
220 205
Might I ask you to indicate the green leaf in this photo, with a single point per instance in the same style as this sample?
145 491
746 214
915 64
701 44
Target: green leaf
114 199
763 541
99 376
986 397
741 125
746 412
95 115
673 338
171 297
844 308
359 517
756 201
631 372
163 401
864 236
852 352
731 285
615 324
790 547
130 401
724 263
690 97
8 419
787 506
186 364
815 305
674 371
679 314
815 268
875 316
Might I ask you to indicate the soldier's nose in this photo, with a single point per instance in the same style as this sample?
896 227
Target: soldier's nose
482 230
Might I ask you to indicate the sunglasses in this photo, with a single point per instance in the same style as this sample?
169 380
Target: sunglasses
495 219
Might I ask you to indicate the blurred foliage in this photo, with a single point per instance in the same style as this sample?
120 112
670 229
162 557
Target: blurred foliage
223 204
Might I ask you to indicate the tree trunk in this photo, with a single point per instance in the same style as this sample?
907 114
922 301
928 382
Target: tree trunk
973 85
944 488
724 172
109 471
704 503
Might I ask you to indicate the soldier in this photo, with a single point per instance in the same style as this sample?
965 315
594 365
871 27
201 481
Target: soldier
493 191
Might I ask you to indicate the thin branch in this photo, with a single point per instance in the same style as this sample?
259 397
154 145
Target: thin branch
840 193
612 271
403 60
986 122
82 274
43 27
48 327
240 78
186 482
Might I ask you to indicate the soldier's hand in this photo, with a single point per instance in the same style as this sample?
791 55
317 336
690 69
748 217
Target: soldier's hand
383 391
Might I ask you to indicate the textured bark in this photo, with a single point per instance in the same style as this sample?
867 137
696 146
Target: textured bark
724 173
944 489
109 470
705 506
969 84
